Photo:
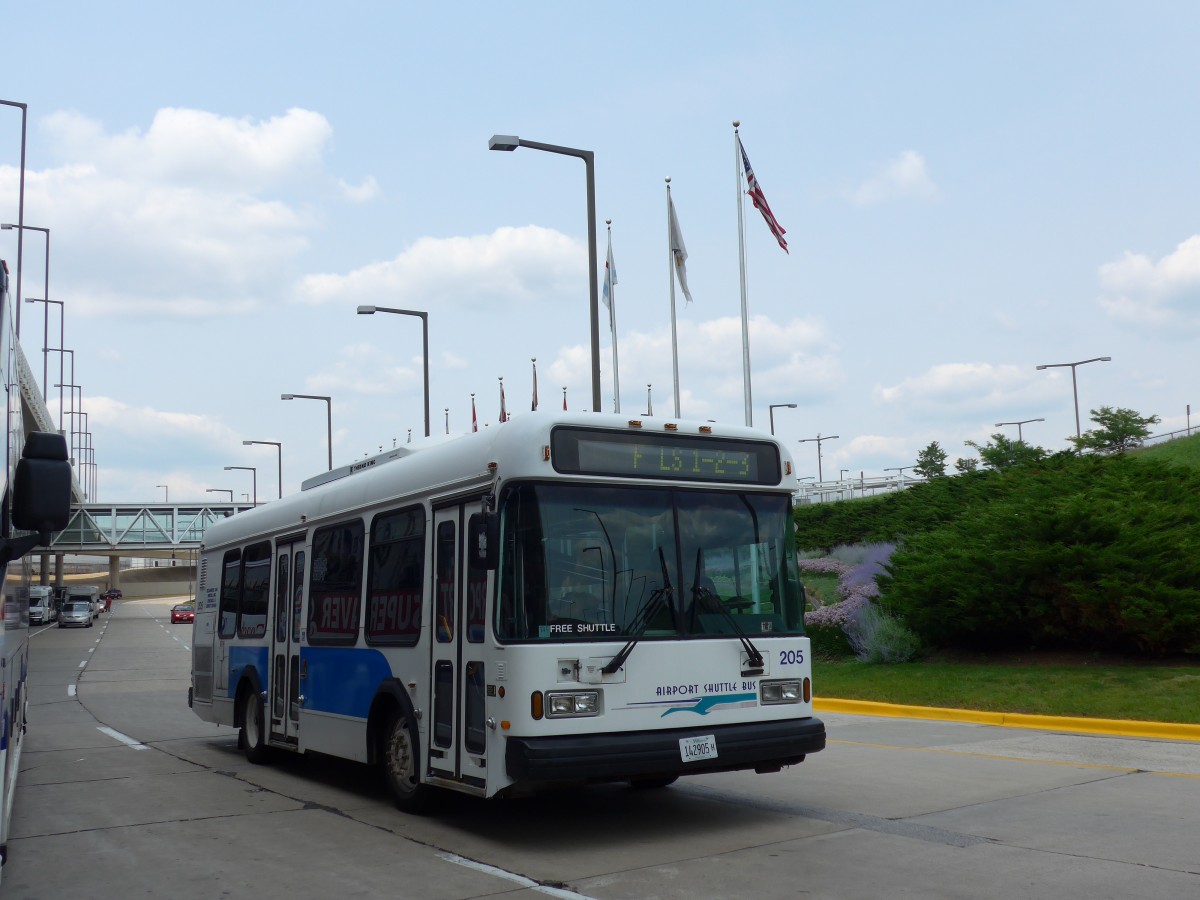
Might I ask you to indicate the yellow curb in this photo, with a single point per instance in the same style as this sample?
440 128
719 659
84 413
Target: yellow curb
1120 727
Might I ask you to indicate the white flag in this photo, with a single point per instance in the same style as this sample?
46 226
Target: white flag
610 277
678 251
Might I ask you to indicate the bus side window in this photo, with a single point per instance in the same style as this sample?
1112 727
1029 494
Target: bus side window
231 594
445 584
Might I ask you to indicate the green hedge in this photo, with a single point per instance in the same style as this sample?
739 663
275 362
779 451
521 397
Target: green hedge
1089 552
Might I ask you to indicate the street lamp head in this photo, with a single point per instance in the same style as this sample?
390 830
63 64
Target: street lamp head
366 310
7 226
790 405
504 142
1106 359
287 396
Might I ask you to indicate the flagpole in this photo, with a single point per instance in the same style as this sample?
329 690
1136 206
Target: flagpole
610 276
671 281
737 165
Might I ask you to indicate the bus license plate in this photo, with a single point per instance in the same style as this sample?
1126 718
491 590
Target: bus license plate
695 748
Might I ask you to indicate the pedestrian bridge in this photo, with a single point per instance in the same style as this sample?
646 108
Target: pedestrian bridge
155 529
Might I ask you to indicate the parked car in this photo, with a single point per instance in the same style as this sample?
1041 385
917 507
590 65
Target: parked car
88 592
183 612
76 612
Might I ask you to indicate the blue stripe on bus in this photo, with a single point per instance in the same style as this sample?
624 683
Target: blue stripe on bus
242 658
342 680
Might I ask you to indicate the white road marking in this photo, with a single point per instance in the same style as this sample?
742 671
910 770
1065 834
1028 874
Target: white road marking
71 690
513 877
124 739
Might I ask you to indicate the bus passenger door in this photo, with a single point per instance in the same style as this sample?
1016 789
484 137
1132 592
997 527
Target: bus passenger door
457 740
285 675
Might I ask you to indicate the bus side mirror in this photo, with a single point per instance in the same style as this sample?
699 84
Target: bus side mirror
42 486
483 533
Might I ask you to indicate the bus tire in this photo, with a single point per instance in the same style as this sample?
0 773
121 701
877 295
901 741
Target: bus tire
400 760
252 738
653 783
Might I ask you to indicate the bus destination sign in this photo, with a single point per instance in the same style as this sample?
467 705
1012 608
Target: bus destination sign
585 451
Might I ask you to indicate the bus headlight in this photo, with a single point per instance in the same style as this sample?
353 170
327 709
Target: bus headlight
564 704
774 692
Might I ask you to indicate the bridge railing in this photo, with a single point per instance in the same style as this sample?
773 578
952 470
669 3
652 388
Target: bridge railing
131 526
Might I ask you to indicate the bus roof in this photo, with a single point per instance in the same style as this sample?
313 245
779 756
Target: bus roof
518 448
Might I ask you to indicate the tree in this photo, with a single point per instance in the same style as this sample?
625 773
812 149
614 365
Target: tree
1002 453
966 464
931 462
1120 430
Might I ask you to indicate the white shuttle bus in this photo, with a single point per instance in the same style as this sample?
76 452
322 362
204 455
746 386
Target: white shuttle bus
561 598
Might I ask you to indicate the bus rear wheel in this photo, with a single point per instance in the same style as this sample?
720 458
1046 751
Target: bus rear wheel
253 742
401 764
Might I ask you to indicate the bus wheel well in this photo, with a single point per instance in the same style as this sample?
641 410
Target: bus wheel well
248 683
388 702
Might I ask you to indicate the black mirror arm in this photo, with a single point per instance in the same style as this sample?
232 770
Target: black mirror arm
15 548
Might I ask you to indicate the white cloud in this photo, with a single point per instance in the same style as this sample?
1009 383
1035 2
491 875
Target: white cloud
954 388
197 215
1161 294
360 193
195 147
903 179
510 265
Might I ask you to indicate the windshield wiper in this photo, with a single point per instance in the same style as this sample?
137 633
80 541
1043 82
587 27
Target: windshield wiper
754 659
642 620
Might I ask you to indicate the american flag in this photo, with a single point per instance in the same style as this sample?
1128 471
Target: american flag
503 411
754 189
474 419
534 409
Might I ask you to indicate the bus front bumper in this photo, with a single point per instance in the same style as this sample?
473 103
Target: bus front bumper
641 754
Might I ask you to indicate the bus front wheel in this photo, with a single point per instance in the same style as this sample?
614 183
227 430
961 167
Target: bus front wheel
401 764
253 742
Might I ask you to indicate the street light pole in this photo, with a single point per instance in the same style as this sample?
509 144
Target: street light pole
328 416
253 476
24 108
220 491
60 349
1021 437
279 448
771 412
166 493
46 329
424 317
512 142
1074 385
818 439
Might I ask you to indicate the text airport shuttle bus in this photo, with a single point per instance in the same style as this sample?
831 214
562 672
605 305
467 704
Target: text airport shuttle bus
560 598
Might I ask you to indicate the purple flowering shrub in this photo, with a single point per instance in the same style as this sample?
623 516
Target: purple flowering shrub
856 567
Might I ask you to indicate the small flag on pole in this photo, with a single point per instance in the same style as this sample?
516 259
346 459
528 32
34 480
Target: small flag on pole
503 412
649 400
534 408
678 251
610 276
474 418
564 399
754 189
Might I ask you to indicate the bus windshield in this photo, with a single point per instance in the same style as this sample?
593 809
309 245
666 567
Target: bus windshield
589 562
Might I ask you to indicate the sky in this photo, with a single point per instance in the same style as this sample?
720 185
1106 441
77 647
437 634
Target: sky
968 190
